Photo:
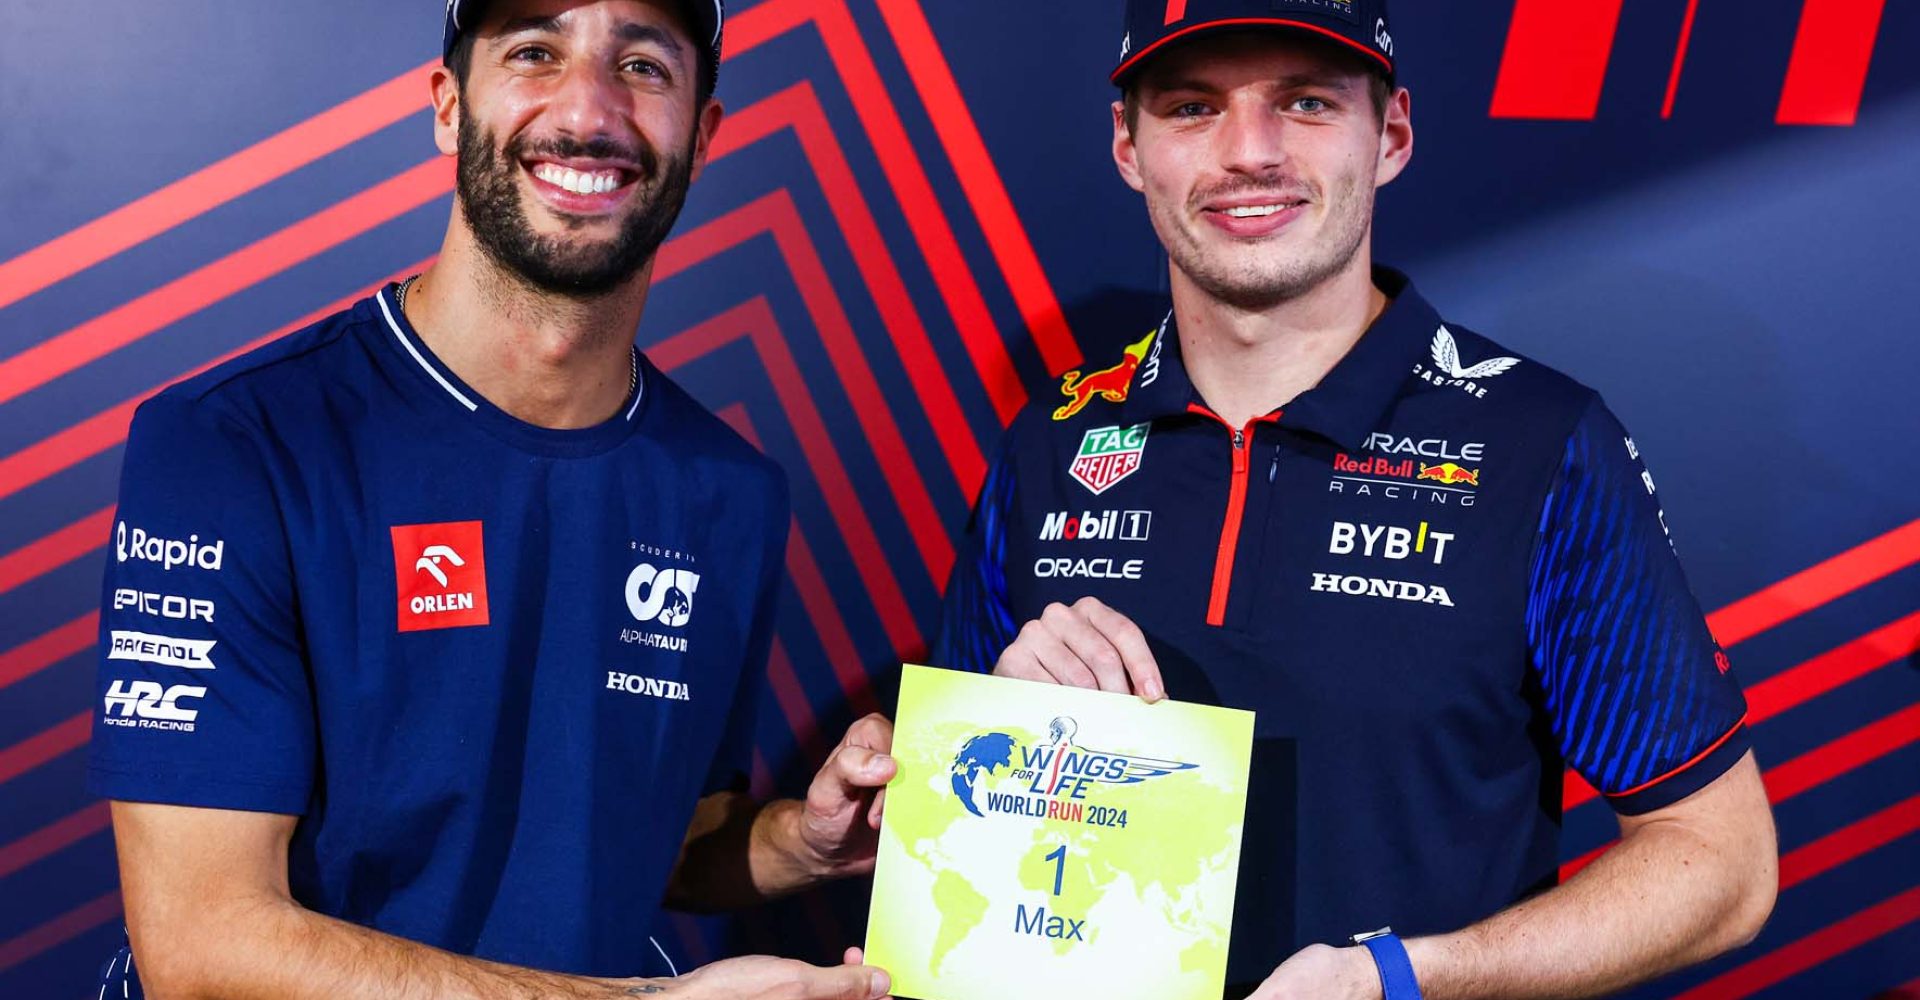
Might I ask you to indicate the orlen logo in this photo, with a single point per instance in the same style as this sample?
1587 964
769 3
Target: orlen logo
440 572
146 705
1097 526
140 546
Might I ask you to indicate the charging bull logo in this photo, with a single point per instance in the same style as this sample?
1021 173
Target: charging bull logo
1110 384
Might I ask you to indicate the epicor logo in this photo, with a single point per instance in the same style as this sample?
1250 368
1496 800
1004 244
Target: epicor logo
168 552
1388 541
183 609
1097 526
1365 586
146 705
440 572
665 596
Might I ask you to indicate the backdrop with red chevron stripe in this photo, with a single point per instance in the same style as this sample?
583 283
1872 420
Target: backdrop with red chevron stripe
911 221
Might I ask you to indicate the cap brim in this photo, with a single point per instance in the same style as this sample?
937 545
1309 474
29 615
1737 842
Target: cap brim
1133 61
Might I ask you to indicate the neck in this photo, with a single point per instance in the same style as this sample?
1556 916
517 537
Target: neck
1246 363
551 360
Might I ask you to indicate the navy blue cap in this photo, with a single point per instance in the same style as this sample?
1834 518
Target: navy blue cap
1152 25
708 17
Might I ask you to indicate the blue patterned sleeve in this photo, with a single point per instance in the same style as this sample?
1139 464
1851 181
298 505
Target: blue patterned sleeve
976 622
1635 685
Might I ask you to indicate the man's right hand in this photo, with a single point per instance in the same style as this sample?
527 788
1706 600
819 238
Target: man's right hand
781 979
1087 645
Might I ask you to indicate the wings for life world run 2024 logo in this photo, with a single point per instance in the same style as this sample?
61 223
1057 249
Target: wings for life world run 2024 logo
1056 780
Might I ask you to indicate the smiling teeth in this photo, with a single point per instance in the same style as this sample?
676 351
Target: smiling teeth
1254 211
599 182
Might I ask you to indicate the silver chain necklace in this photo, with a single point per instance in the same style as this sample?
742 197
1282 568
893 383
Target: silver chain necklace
633 354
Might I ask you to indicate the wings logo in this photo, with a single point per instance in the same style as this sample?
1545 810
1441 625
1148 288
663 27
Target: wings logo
1110 384
1056 777
1448 371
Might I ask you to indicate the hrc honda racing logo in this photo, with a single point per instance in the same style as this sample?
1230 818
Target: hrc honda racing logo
1050 780
147 705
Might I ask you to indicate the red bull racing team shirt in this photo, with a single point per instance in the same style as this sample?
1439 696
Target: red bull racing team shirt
1440 577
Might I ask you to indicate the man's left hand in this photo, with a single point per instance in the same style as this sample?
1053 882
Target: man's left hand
1320 972
840 820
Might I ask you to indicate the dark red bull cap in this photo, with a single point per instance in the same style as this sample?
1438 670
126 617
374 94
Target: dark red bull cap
1152 25
705 17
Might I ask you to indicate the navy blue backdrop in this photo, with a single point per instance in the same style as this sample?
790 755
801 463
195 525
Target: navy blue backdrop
1706 209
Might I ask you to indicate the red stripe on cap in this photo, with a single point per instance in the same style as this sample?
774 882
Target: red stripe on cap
1246 22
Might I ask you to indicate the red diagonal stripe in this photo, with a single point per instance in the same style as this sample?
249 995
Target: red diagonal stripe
1556 59
842 656
1799 956
1833 668
55 550
775 213
1830 60
108 428
1844 754
1849 842
53 838
37 654
932 232
792 699
36 750
755 321
213 282
213 186
980 180
1812 587
798 108
59 930
1680 57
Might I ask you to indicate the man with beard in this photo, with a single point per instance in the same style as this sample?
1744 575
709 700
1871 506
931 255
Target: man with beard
433 632
1437 571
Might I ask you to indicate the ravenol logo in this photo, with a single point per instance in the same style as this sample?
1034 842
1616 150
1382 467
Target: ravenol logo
1057 776
1108 455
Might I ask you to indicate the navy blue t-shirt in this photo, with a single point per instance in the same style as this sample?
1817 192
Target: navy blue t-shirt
1439 577
490 666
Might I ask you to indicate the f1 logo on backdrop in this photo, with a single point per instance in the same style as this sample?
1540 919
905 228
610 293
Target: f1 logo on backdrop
1557 54
440 571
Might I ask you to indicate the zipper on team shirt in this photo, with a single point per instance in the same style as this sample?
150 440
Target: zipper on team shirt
1236 509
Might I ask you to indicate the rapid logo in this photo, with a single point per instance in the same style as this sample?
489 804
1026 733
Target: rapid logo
146 705
192 553
1447 370
1097 526
1388 541
163 650
180 609
1108 455
1110 384
1055 777
1367 586
440 571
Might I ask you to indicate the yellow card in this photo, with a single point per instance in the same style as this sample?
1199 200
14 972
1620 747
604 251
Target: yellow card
1050 841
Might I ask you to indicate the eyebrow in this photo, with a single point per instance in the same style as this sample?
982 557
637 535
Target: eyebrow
1291 81
628 31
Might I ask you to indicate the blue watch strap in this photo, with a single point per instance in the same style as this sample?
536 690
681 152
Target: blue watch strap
1397 981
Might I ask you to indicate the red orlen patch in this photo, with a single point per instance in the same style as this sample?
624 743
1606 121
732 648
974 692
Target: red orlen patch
440 571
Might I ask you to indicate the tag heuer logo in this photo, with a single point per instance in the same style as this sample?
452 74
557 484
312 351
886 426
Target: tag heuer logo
1108 455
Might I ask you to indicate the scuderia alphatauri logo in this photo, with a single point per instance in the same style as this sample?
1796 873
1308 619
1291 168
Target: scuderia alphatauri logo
660 595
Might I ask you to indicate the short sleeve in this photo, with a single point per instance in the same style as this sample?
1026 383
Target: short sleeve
1636 687
732 764
976 621
203 694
